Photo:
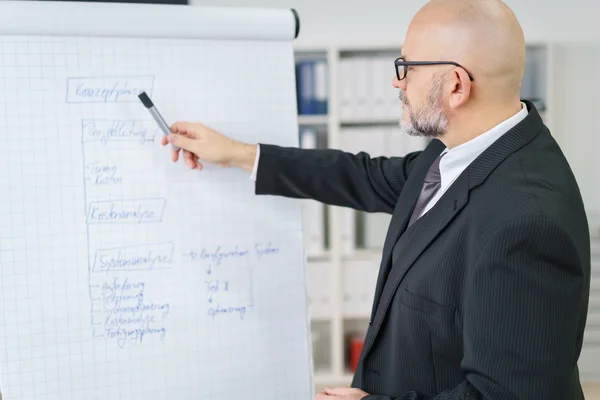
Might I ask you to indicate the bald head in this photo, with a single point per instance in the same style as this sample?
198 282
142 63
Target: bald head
483 36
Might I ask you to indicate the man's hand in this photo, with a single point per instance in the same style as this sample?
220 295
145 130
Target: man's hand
199 142
342 393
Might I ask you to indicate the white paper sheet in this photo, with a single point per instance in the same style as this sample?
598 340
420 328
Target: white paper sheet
122 274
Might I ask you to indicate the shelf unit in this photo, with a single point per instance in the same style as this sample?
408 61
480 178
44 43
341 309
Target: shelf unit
335 312
575 124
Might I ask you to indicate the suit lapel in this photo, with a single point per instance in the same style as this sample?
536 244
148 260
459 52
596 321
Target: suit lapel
402 212
412 242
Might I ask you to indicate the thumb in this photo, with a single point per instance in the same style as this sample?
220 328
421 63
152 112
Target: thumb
339 391
182 142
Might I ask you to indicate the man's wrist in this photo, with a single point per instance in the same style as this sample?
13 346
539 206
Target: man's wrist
244 157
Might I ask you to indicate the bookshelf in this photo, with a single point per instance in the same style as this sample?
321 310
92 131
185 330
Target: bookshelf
362 112
575 83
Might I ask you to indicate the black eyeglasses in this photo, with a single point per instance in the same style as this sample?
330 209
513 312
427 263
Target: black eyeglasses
402 66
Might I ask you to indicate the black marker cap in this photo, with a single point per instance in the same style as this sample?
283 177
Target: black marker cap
146 100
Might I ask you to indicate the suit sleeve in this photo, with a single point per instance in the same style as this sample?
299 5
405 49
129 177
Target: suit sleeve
333 177
521 307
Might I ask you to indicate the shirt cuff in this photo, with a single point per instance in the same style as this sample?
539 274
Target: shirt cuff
255 169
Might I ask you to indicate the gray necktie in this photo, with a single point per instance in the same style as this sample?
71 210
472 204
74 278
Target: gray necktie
430 187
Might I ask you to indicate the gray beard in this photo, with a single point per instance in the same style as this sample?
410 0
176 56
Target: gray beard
430 121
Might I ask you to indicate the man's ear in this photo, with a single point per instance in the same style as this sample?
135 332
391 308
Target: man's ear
461 88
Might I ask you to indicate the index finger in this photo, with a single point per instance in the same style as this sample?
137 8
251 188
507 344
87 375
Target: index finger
174 154
181 127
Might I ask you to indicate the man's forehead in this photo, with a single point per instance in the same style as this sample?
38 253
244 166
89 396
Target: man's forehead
407 52
414 51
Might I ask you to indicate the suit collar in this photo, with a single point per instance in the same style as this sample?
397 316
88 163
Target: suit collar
511 141
457 159
412 242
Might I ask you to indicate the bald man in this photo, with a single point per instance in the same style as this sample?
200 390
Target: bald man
483 285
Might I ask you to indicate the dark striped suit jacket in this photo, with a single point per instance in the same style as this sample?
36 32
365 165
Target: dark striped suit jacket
486 295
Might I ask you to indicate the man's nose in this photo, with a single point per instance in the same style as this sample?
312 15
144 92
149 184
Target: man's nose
399 84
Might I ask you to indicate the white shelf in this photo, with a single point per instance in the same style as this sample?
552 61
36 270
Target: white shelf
356 255
321 256
320 318
313 119
364 255
373 120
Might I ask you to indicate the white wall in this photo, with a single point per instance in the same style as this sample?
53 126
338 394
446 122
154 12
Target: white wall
358 22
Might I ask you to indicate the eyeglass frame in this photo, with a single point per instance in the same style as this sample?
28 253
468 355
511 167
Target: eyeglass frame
399 62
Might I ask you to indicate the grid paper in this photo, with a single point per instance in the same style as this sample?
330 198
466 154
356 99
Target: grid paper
122 273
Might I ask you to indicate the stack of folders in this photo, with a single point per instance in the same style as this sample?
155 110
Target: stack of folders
386 141
319 289
313 212
360 278
366 90
312 87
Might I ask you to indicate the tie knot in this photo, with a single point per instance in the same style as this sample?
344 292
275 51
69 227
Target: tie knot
433 175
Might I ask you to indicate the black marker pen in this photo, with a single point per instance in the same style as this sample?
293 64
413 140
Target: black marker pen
156 115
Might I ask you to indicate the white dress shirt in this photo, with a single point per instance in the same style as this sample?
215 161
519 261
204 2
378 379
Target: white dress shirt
457 159
253 176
